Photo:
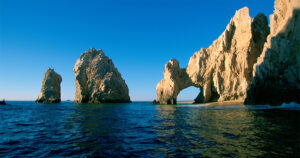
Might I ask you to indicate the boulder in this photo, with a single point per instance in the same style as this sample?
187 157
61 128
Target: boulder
50 92
97 80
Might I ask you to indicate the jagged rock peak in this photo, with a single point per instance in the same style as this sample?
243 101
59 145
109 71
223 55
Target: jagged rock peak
277 71
222 71
50 92
97 80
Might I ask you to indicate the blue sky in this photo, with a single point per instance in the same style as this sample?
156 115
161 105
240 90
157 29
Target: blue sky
140 36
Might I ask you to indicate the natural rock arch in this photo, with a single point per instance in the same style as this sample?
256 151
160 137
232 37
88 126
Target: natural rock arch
224 70
176 79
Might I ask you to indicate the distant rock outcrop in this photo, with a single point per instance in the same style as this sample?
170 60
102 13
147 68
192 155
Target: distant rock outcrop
277 72
224 70
50 92
97 80
2 102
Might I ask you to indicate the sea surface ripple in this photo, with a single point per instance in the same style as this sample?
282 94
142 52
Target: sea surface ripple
140 129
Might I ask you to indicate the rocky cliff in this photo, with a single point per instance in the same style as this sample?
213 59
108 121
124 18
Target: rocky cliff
97 80
50 92
277 72
224 70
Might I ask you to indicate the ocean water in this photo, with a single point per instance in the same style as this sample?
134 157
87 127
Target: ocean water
140 129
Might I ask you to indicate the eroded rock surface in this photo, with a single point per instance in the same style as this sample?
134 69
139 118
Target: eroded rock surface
97 80
277 72
50 92
224 70
175 79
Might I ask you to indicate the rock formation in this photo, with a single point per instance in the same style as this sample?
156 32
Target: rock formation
224 70
97 80
2 102
50 92
175 79
277 72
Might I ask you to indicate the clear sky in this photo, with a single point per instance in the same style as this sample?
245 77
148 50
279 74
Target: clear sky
140 36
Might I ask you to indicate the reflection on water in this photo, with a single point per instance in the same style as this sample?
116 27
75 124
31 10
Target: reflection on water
140 129
203 132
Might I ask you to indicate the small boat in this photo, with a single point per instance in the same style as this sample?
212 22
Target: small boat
2 102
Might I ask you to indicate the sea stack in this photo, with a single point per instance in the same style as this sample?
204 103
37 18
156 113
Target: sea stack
277 72
50 92
97 80
2 102
224 70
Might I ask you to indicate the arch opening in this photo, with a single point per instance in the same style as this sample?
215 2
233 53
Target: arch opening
191 94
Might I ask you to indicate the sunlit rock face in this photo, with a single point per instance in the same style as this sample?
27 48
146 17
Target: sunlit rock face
175 79
277 71
97 80
50 92
224 70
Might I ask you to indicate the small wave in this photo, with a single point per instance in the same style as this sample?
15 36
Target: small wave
290 106
12 142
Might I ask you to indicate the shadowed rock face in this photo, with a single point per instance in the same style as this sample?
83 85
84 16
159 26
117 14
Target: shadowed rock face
97 80
50 92
277 72
224 70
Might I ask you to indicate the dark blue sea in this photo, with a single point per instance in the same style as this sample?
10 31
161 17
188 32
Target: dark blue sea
140 129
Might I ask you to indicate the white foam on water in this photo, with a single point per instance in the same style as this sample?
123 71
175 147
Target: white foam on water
290 106
210 106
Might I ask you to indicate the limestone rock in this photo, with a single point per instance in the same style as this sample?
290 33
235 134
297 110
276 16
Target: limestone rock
224 70
277 72
50 92
200 97
175 79
97 80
